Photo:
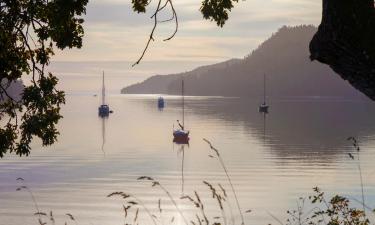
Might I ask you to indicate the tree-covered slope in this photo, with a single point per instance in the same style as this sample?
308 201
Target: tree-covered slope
284 58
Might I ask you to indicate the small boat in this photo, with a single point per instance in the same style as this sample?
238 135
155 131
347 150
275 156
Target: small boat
181 136
263 108
161 102
103 109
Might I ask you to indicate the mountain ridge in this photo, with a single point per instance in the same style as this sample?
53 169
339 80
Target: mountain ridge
284 58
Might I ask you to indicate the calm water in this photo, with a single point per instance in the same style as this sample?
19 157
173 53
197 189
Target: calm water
272 161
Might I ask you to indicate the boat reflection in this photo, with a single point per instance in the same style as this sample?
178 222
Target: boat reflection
264 127
103 134
181 140
161 103
181 143
298 128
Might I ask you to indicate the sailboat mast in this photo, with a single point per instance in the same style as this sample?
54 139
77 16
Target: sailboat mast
264 88
182 170
183 104
103 90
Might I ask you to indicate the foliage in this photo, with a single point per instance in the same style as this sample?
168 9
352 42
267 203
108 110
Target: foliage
211 9
140 5
336 211
29 31
217 10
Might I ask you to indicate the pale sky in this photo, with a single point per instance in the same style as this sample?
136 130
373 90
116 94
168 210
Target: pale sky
115 37
113 32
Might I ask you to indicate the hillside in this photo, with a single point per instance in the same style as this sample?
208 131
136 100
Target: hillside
284 58
14 90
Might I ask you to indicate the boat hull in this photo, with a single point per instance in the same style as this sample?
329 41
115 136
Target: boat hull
103 111
179 140
161 103
181 136
263 108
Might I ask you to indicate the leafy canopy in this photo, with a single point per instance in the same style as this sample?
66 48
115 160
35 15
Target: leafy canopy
214 10
29 32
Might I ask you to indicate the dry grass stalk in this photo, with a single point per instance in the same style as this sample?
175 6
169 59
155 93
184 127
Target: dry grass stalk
156 183
357 149
131 204
216 151
219 199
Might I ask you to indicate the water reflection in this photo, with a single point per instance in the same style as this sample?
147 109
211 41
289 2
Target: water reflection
181 153
161 103
103 119
264 127
306 127
181 143
272 159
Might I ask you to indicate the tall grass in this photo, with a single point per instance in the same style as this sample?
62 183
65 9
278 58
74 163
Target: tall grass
158 184
43 217
133 204
216 151
357 150
337 210
200 217
25 187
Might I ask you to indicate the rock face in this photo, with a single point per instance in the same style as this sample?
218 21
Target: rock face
284 58
346 42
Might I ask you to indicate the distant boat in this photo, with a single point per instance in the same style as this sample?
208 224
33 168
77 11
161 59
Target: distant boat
263 108
104 108
161 102
181 136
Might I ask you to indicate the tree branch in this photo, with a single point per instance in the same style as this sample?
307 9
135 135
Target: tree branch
154 16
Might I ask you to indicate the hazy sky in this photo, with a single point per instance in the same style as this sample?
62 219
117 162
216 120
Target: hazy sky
114 33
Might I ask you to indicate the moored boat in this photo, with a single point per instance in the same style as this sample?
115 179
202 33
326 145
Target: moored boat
103 109
161 102
263 108
181 135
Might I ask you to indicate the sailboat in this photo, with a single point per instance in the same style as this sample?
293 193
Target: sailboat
103 108
181 135
263 108
161 102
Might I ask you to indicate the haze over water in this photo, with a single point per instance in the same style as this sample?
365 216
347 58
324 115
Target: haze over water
272 161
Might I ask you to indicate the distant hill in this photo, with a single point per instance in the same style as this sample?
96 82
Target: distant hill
14 90
284 58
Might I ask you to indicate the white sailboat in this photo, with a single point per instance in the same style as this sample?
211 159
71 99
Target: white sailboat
263 108
103 109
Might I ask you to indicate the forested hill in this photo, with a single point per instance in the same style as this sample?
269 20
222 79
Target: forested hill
14 90
284 58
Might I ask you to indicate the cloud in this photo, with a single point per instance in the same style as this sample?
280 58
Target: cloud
114 32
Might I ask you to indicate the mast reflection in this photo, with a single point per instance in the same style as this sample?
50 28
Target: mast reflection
103 134
181 143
